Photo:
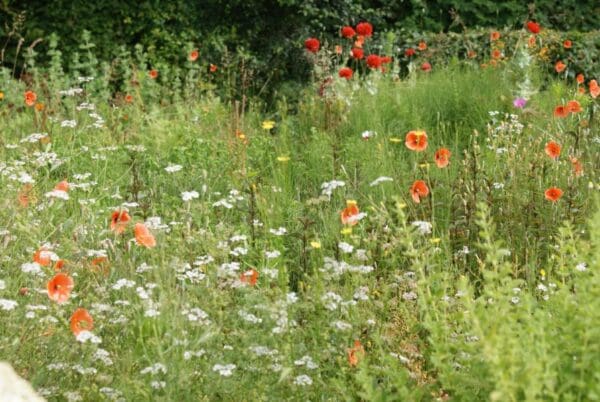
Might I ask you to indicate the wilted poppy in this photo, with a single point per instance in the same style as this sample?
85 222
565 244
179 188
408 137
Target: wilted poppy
128 98
194 55
59 287
249 277
354 353
81 321
533 27
419 189
30 98
212 68
24 196
349 215
553 194
552 149
312 45
143 237
119 221
348 32
153 74
416 140
442 157
560 66
345 72
471 54
426 66
44 257
364 29
577 166
358 53
561 111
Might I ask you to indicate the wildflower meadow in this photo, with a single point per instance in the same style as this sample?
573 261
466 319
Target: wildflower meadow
418 223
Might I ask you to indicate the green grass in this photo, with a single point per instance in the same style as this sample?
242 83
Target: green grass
433 319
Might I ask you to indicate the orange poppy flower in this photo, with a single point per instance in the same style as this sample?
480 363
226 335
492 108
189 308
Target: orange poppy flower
81 321
30 98
249 277
143 237
581 90
560 66
495 35
552 149
39 107
561 111
419 189
58 265
194 55
567 44
62 186
580 78
43 256
531 42
422 46
553 194
213 68
471 54
350 213
574 106
594 89
153 74
59 287
577 166
128 98
338 49
355 352
496 54
416 140
442 157
118 221
360 41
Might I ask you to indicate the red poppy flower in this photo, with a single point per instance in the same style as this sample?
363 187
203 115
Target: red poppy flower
495 35
128 98
62 186
249 277
118 221
349 215
496 54
364 29
574 106
194 55
553 194
30 98
386 59
416 140
561 111
81 321
419 189
567 44
426 66
409 52
580 78
153 74
594 89
442 157
25 195
358 53
143 237
312 45
348 32
345 72
560 66
552 149
212 68
43 256
59 287
373 61
533 27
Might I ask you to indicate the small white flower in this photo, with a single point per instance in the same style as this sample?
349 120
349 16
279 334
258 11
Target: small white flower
87 336
423 227
68 123
226 370
303 380
173 168
8 305
581 267
189 195
63 195
345 247
368 134
272 254
158 384
279 231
